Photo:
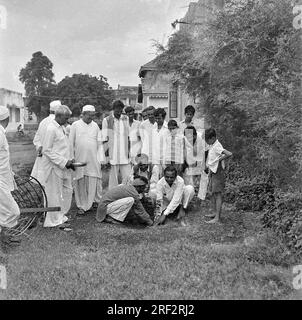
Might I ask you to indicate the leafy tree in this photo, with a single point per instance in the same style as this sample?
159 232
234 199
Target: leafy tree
37 77
82 89
246 64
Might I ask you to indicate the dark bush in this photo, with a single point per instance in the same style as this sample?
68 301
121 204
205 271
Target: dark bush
284 216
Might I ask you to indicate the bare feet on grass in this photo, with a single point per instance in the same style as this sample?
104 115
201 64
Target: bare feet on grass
215 220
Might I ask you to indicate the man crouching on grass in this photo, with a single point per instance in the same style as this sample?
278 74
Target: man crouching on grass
172 197
122 203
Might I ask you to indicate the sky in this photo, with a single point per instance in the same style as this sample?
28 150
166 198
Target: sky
108 37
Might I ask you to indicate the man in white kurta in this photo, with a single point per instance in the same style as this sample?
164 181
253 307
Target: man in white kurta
146 134
134 137
115 136
57 164
84 148
38 170
9 210
160 132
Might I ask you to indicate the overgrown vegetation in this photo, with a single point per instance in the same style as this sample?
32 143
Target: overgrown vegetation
245 65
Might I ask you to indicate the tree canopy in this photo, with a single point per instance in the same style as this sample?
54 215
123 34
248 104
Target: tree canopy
38 80
82 89
74 91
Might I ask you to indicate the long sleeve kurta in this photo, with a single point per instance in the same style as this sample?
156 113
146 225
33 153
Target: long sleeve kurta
84 146
39 139
9 210
159 143
169 197
116 133
146 134
56 151
40 134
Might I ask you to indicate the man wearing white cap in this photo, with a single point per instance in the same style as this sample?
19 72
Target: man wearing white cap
57 164
37 171
84 148
9 210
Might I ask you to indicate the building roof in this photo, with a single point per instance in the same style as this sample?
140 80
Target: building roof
10 91
150 66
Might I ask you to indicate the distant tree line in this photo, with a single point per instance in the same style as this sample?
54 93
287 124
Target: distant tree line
75 91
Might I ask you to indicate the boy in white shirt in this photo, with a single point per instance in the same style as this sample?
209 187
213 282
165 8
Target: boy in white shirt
216 167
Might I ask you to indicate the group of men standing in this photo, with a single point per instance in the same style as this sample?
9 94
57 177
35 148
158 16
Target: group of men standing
146 157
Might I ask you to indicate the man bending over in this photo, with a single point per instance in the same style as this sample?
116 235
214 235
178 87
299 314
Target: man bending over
173 197
123 203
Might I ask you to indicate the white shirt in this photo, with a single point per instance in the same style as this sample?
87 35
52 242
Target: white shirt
146 134
215 152
40 134
6 175
158 143
134 136
56 151
195 155
119 145
84 147
170 197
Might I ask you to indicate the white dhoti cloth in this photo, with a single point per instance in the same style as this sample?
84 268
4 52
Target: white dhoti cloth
9 210
119 209
87 190
123 169
59 193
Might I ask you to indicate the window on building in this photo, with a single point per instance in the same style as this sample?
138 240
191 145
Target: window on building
17 114
173 104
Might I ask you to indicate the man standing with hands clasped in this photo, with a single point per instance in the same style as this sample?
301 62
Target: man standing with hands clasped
84 147
57 163
38 170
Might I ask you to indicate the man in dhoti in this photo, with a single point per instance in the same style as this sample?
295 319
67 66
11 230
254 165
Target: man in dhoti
115 137
57 164
173 197
9 210
84 148
122 203
38 170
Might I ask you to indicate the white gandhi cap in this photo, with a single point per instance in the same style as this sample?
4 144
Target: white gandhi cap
54 105
88 108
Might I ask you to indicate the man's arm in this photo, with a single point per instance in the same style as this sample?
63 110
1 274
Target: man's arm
225 155
141 213
176 200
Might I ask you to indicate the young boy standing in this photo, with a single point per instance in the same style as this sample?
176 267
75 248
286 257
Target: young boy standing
215 166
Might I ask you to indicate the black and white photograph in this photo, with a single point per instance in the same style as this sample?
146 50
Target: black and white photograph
150 153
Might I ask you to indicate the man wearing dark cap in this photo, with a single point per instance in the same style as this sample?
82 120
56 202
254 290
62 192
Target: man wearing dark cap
123 202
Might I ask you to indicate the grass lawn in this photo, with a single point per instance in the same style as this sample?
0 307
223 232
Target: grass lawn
232 260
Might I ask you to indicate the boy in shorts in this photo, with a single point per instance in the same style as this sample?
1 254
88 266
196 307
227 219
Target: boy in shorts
215 167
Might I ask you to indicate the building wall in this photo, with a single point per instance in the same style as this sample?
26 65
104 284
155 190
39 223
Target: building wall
15 103
155 83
